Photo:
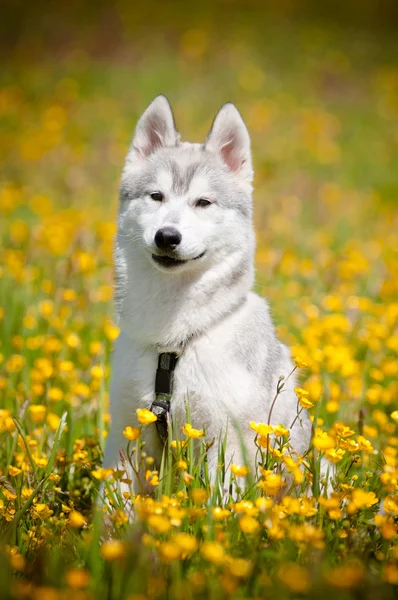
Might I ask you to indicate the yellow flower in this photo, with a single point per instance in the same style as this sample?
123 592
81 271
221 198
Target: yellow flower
394 415
220 513
26 492
97 372
334 456
390 574
239 471
361 499
102 474
198 495
387 527
248 524
364 444
37 413
295 578
169 551
307 533
111 331
261 429
305 403
301 393
152 477
349 445
179 445
53 421
43 511
188 478
176 515
6 421
263 441
240 567
46 308
41 461
14 471
145 416
370 431
76 519
342 430
345 576
332 406
113 550
280 430
300 363
245 507
17 562
77 579
271 484
159 524
335 513
213 552
55 394
131 433
191 432
120 517
72 340
322 440
187 543
263 504
391 504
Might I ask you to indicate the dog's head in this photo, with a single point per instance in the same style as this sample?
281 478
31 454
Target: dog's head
187 206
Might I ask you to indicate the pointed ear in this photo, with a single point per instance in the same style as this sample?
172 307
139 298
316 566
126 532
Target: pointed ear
230 139
155 129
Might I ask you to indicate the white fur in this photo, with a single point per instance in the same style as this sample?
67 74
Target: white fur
230 360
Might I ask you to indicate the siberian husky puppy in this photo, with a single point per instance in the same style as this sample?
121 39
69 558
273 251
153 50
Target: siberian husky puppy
184 272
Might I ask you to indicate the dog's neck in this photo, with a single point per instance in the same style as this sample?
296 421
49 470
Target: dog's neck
167 310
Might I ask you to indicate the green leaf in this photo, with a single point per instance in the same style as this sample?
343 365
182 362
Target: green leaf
56 441
27 447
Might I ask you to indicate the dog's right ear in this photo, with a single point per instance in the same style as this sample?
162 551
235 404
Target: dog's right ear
155 129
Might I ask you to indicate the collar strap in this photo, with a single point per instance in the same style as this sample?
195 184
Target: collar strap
163 391
165 373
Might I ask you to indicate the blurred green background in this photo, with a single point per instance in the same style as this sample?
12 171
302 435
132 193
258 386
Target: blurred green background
316 82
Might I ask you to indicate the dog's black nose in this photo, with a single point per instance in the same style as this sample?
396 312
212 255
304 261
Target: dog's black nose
167 238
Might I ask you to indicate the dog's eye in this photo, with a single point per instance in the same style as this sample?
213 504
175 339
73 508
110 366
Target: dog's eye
158 196
202 202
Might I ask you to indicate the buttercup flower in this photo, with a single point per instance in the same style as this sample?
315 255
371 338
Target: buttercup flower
131 433
239 471
323 441
334 456
261 428
213 552
113 550
146 417
300 363
191 432
76 519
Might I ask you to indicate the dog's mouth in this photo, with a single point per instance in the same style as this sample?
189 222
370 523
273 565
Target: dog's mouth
169 262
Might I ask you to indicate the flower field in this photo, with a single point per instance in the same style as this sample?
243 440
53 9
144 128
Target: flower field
322 108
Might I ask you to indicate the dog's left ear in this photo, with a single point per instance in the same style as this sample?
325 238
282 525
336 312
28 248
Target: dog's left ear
230 139
155 128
